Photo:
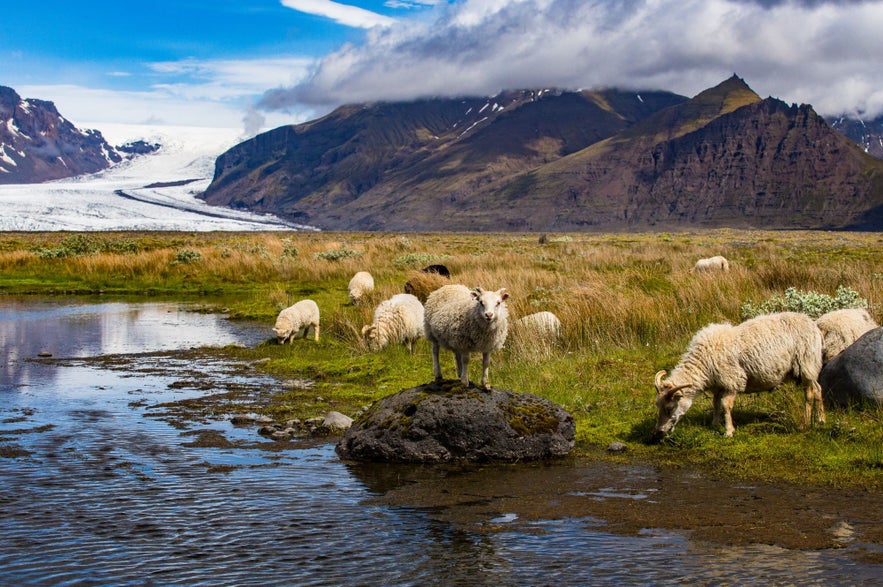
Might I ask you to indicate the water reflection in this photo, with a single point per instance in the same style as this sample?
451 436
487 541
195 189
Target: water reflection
98 488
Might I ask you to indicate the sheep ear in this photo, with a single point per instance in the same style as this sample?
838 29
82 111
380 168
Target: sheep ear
367 328
476 293
504 295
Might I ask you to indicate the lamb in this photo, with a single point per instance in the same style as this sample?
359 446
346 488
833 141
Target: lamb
716 263
398 319
297 319
466 321
360 287
841 328
757 355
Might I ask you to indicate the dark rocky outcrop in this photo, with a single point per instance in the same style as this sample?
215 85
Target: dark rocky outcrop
38 144
560 161
855 376
443 422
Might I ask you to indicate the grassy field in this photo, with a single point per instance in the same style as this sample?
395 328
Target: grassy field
628 304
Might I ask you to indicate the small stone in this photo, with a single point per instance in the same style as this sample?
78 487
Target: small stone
617 447
280 435
242 420
264 420
44 354
337 421
266 430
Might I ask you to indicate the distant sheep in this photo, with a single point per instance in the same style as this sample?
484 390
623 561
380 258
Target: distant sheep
396 320
466 321
437 269
422 283
360 287
841 328
711 264
297 319
757 355
541 327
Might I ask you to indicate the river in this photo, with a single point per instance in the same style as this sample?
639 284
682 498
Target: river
99 486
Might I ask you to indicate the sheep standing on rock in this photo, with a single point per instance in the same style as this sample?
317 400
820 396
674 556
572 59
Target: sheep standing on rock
466 321
360 287
398 319
297 319
711 264
757 355
841 328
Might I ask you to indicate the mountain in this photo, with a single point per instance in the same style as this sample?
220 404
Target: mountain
554 161
38 144
867 133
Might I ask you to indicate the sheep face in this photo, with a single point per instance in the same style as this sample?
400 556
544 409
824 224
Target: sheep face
372 337
671 403
490 304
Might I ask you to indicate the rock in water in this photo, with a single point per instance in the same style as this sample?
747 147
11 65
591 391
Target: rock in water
440 422
855 376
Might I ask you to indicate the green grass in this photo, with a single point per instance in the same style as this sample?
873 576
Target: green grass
628 304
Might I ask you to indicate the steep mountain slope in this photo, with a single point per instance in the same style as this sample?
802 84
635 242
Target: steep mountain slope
867 133
560 161
322 170
38 144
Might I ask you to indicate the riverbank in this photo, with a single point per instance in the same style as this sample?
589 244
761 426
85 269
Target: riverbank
628 305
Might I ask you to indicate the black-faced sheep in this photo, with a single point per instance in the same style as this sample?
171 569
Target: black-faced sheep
841 328
360 287
466 321
757 355
398 319
297 319
716 263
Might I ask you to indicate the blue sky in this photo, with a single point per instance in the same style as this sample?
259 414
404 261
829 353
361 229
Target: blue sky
256 64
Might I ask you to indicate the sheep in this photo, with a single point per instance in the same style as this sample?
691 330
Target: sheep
466 321
841 328
536 331
716 263
297 319
438 269
398 319
757 355
360 287
423 283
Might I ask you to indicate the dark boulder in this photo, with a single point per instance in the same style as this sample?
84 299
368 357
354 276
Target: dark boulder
445 421
855 376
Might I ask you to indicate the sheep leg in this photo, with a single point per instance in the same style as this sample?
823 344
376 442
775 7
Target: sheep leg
316 332
727 403
716 410
485 367
463 368
813 393
436 367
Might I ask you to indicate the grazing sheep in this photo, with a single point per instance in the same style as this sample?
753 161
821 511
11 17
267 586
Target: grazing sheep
466 321
421 284
841 328
297 319
360 287
398 319
716 263
542 329
757 355
438 269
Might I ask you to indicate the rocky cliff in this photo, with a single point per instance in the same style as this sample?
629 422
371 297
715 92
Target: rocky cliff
38 144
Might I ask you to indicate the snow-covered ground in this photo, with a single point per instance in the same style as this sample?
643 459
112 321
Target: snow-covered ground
93 202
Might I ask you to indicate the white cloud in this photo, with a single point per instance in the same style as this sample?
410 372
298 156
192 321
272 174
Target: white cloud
344 14
821 52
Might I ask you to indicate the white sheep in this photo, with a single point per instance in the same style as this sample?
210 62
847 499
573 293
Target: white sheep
757 355
360 287
297 319
398 319
716 263
542 326
466 321
841 328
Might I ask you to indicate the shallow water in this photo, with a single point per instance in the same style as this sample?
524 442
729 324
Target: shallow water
97 487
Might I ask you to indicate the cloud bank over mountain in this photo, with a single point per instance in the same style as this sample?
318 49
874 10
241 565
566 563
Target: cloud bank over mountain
825 53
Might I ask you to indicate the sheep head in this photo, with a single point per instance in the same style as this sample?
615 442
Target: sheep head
671 402
491 304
